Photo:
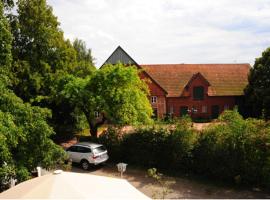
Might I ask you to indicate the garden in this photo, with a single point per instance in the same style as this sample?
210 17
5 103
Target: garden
235 150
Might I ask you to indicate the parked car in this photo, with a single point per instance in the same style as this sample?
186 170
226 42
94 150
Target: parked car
87 153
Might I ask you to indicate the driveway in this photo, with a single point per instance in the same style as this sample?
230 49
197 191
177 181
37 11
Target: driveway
177 187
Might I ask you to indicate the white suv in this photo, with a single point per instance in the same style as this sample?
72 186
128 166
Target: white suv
87 153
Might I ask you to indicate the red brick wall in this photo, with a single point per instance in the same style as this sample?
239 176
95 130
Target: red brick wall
157 91
208 101
165 104
177 102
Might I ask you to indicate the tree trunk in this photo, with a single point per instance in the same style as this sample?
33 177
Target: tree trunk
94 124
94 132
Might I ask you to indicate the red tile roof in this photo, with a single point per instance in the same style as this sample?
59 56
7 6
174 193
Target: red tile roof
224 79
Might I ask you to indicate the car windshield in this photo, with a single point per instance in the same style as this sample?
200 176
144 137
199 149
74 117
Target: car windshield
99 149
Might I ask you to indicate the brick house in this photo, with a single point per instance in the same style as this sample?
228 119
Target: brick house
201 90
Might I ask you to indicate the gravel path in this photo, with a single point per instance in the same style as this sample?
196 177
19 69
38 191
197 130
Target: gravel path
178 187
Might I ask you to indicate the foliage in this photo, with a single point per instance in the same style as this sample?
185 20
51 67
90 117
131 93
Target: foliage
233 149
42 58
258 90
40 53
24 134
152 146
236 149
8 4
5 47
160 147
158 177
112 139
85 64
116 92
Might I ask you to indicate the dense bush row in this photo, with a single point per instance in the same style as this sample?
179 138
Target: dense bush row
233 149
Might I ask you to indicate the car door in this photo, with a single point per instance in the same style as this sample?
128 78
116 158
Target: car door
83 153
72 152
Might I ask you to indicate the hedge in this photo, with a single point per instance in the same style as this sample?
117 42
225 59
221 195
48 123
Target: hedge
234 149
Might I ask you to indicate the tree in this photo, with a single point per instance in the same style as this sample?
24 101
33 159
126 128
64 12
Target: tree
85 64
5 47
8 3
258 90
115 92
24 132
41 54
42 57
25 138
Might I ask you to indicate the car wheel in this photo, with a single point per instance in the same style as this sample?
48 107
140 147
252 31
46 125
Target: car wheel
85 164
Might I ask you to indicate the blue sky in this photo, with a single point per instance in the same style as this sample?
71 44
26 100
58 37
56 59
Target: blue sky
169 31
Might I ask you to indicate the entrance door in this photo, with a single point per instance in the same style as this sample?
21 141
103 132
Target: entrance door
215 111
183 111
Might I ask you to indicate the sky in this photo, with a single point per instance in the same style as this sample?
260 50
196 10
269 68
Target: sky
169 31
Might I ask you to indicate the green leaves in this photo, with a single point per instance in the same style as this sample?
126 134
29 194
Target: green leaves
85 64
235 149
5 41
116 91
258 90
24 133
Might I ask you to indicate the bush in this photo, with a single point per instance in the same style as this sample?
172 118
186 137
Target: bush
112 139
235 150
145 147
154 146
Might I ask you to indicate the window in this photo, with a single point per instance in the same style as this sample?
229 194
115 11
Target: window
204 109
72 149
96 113
83 149
98 150
171 110
198 93
193 110
226 107
153 99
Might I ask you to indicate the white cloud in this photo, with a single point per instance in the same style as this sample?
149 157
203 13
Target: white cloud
169 31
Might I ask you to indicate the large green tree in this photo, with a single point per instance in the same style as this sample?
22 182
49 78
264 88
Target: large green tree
258 90
85 60
115 92
42 57
41 54
24 132
6 41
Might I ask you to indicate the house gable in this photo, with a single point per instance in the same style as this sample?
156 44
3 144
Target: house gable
119 55
196 80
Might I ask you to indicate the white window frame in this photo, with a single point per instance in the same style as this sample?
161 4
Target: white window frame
153 99
97 114
171 109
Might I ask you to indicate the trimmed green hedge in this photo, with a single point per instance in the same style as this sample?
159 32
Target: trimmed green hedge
233 150
236 149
